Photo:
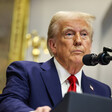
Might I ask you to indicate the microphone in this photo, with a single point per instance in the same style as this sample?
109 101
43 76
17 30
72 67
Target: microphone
93 59
90 59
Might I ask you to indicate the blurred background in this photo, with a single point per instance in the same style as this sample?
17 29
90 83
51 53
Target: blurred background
24 25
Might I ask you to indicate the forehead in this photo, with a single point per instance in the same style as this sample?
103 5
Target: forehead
75 24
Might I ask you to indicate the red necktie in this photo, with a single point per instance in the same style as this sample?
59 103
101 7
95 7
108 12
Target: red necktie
72 80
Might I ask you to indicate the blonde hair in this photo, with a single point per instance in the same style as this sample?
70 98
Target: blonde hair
65 15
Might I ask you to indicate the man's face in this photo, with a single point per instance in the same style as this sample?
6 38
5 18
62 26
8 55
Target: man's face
72 42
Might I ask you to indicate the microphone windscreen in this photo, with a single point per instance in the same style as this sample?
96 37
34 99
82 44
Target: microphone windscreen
87 59
90 59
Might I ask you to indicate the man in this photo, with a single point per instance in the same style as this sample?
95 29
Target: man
39 87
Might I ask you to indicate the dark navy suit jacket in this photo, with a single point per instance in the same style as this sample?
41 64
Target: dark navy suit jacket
30 85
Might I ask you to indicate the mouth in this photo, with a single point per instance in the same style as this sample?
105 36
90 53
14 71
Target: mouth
77 52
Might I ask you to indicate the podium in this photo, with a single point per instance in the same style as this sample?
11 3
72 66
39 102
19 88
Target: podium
75 102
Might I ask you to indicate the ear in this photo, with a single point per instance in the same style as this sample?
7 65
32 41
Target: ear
52 45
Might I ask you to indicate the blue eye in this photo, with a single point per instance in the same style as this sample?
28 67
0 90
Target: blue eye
84 34
69 34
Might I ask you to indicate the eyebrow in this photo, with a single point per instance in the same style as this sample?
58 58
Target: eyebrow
70 28
67 28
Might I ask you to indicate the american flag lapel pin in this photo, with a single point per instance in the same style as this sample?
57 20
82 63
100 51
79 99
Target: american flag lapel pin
91 87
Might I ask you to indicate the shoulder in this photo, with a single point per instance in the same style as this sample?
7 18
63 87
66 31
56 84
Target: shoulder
24 65
23 68
27 68
100 87
96 82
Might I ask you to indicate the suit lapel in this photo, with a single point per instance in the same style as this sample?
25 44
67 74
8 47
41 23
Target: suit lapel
86 85
51 80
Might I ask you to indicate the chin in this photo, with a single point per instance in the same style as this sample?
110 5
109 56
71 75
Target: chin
77 57
77 60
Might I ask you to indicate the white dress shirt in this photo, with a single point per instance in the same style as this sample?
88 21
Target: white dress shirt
63 75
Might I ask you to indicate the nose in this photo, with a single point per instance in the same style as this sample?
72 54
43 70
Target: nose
77 39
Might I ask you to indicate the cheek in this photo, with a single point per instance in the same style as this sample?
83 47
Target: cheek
64 48
65 44
88 46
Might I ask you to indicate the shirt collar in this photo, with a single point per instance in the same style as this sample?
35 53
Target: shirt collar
63 73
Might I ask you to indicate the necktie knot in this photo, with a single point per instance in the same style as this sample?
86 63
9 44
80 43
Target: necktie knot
72 80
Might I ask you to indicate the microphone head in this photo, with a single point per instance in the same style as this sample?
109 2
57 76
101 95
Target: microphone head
90 59
103 58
